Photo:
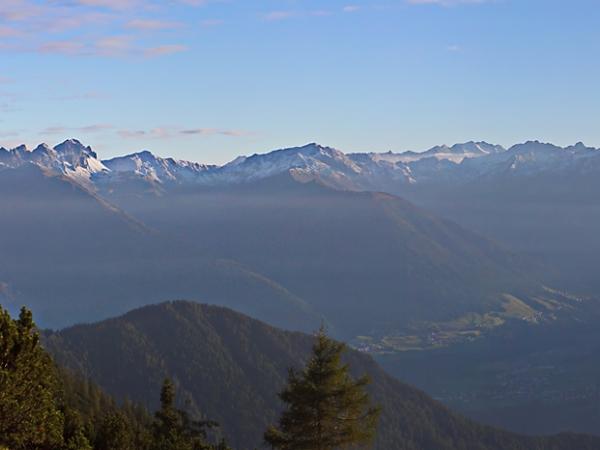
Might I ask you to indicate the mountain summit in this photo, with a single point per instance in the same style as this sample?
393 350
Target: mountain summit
355 171
70 158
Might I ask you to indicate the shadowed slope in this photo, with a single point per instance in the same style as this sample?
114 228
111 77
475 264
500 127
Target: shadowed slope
230 367
60 244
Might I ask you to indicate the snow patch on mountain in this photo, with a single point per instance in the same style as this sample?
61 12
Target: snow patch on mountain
389 171
154 168
70 158
306 162
456 153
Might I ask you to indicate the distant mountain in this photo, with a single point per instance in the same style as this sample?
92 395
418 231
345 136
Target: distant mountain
369 262
301 234
154 168
71 158
456 153
538 199
300 222
73 256
359 171
231 367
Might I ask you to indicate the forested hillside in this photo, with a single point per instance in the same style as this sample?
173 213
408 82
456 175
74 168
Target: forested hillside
229 367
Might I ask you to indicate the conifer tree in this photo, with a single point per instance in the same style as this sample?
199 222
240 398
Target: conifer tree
173 428
74 432
29 415
115 433
168 426
326 408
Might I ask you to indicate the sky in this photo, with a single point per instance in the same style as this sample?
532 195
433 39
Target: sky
207 80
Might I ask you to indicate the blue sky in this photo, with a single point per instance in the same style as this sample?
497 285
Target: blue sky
208 80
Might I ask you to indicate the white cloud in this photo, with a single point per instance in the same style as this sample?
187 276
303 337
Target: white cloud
274 16
216 131
86 27
163 50
111 4
152 25
170 132
94 128
62 47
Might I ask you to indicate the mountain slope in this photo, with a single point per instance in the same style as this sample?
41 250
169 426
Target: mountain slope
61 243
540 200
70 158
363 245
230 367
367 261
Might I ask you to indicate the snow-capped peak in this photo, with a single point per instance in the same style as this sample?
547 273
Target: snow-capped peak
365 171
154 168
70 158
306 162
43 148
455 153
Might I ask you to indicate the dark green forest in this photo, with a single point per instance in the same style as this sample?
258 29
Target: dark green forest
45 407
102 381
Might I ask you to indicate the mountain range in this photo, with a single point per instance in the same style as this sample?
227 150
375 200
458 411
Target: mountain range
459 163
273 236
74 257
402 254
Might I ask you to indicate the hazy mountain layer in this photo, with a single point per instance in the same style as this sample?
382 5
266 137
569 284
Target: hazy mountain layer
72 256
367 261
536 198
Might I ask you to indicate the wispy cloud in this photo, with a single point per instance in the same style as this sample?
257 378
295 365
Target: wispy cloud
87 27
6 31
94 128
110 47
216 131
321 13
113 46
154 133
111 4
170 132
195 2
68 22
83 96
163 50
129 4
350 8
275 16
62 47
152 25
19 10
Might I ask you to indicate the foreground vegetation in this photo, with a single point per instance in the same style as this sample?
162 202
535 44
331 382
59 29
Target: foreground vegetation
43 407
